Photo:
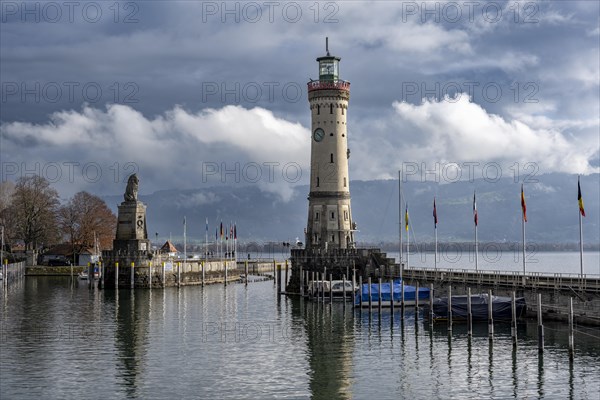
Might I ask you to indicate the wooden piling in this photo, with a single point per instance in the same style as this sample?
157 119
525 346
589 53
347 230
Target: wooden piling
540 324
330 288
323 277
132 275
163 275
360 299
417 297
203 266
90 273
278 279
178 274
392 295
402 299
314 286
490 316
449 314
301 276
245 272
116 275
344 290
431 304
274 273
226 273
469 314
102 271
150 276
513 324
353 287
571 338
286 276
379 295
370 294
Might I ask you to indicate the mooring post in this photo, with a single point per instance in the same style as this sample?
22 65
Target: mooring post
132 273
245 272
344 290
330 288
370 294
449 313
571 339
312 285
323 277
301 276
379 295
90 273
150 276
102 271
513 324
540 324
402 299
392 296
203 266
274 273
353 286
178 274
285 283
360 298
490 315
417 298
116 275
279 279
163 274
469 315
431 304
225 281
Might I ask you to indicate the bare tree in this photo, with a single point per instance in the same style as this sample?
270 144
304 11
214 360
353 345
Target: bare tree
7 189
84 216
34 208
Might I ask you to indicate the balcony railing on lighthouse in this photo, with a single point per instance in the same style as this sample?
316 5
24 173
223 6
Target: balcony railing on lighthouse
323 85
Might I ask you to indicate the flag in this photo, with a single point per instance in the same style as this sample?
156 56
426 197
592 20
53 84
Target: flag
435 221
221 230
580 199
475 216
523 205
406 218
234 231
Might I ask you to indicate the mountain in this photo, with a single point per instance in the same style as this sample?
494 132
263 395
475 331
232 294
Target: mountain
260 216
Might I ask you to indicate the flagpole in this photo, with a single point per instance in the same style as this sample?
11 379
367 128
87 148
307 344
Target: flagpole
475 219
436 243
580 204
400 218
523 224
407 238
184 242
206 242
436 236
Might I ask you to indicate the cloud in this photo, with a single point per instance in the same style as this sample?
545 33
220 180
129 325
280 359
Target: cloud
230 145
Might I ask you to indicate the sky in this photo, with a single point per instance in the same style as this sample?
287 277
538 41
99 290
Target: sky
191 94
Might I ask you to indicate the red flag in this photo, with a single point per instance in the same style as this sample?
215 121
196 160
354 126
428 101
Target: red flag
523 205
475 210
435 220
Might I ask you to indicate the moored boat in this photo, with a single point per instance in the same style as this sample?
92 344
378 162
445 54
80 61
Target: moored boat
316 288
501 307
410 294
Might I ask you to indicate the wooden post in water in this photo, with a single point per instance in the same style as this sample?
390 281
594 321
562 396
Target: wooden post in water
245 272
150 276
490 316
314 286
416 298
513 324
571 339
331 288
344 290
163 275
286 276
469 314
203 266
431 304
116 275
360 299
540 324
379 295
225 281
323 278
301 276
178 274
132 274
279 279
449 313
370 294
90 273
274 273
402 299
392 296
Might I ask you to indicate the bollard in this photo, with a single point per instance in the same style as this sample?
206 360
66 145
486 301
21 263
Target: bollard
379 295
163 274
540 324
490 315
431 304
132 278
370 294
571 339
360 299
202 265
469 315
513 324
245 272
116 275
449 313
331 289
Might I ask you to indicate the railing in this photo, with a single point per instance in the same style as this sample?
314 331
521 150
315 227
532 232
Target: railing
559 281
331 85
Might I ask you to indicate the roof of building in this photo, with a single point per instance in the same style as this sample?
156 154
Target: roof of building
168 247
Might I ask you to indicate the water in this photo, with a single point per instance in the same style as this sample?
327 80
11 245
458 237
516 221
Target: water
59 341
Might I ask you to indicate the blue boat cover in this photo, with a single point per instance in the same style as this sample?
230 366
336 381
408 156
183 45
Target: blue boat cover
409 292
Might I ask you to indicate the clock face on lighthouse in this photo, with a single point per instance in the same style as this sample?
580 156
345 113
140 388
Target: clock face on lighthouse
319 134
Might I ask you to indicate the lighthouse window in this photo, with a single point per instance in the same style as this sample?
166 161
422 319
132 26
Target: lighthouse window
332 215
333 238
331 109
318 109
317 181
331 158
317 216
342 110
344 182
345 214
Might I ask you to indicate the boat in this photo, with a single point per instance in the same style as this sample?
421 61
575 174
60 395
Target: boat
316 288
410 293
84 275
501 307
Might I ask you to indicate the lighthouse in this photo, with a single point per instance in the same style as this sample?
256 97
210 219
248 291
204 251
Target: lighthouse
330 224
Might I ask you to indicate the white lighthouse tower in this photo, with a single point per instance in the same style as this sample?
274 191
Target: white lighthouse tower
330 224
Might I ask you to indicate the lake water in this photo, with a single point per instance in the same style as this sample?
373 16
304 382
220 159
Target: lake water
60 340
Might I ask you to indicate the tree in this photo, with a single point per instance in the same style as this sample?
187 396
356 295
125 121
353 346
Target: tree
34 208
7 220
86 217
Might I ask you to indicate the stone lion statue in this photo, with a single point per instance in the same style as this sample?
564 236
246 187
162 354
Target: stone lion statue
131 191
